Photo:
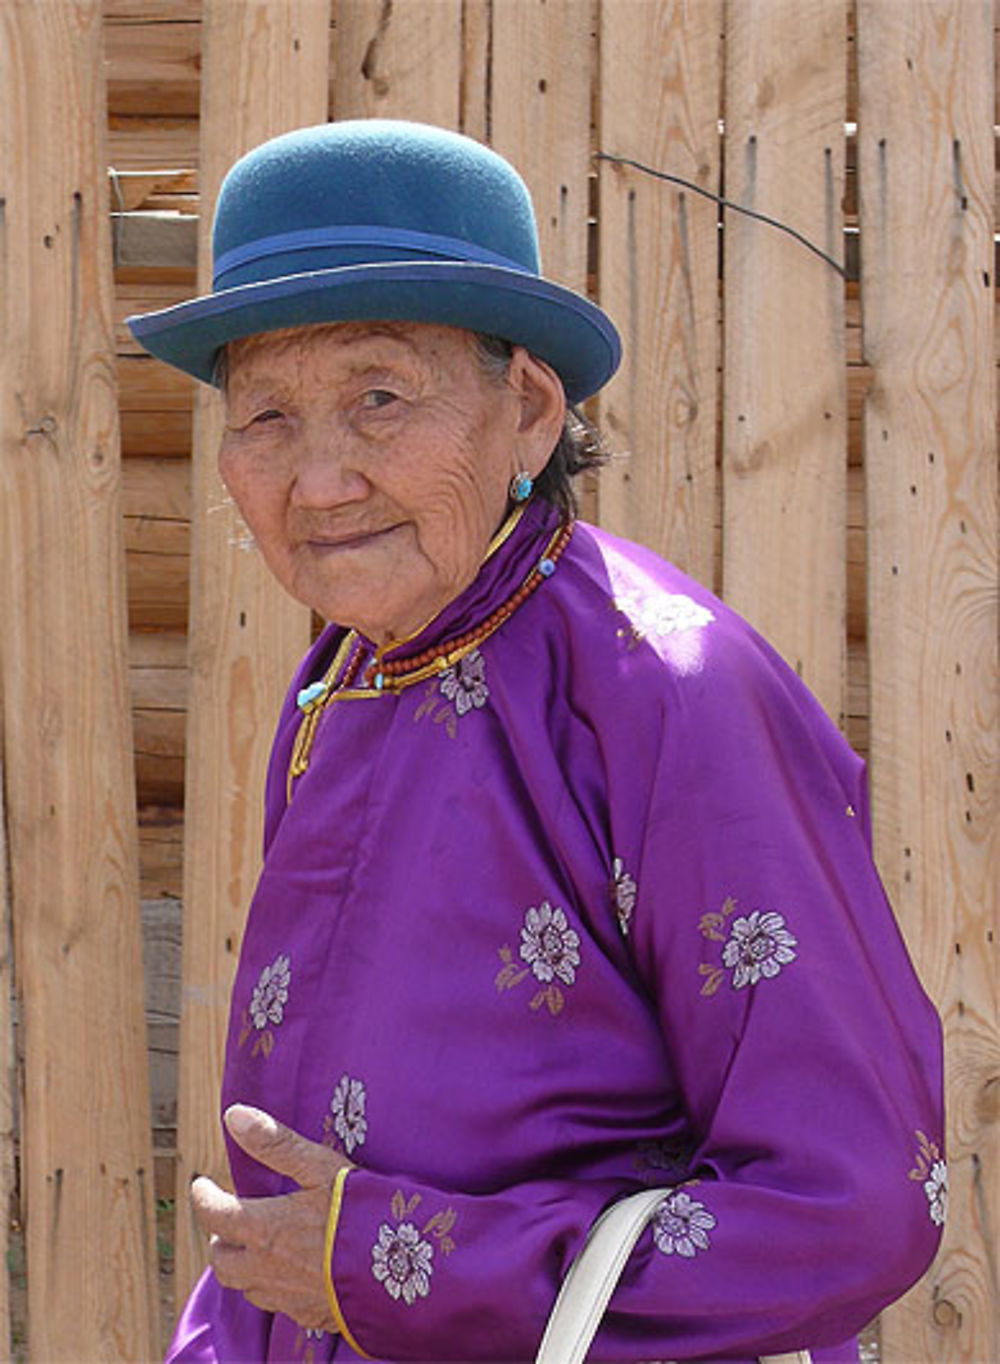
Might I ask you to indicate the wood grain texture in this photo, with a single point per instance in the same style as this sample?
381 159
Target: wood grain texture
140 143
86 1150
927 219
540 120
161 851
658 275
476 41
265 71
397 60
153 66
8 1077
784 431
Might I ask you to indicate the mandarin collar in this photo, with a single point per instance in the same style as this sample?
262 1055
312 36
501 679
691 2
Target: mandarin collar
513 554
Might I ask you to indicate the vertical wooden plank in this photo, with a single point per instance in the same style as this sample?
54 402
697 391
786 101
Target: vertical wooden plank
926 180
86 1152
397 60
658 274
8 1076
785 423
542 63
265 70
477 30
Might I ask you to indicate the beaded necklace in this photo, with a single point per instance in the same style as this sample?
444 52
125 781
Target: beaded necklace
384 677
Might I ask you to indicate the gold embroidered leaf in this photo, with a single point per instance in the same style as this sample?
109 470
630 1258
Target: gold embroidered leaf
709 926
412 1206
398 1205
926 1156
539 999
714 974
441 1223
555 1000
447 1245
429 703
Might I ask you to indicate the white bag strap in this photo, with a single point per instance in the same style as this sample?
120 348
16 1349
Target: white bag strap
593 1276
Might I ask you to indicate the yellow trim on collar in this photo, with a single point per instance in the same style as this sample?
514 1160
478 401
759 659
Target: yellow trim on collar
331 1234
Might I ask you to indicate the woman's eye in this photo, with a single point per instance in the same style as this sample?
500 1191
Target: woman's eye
270 414
378 397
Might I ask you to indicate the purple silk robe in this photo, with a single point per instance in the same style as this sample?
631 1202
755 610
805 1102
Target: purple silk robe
592 910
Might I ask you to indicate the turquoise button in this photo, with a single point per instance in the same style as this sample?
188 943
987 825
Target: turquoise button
310 694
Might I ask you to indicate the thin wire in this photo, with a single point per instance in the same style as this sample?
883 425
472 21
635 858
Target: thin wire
725 203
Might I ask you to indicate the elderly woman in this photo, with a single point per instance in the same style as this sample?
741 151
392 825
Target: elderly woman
568 887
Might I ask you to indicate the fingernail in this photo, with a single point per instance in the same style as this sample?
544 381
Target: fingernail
239 1119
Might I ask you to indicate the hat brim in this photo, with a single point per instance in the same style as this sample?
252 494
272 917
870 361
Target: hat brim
562 328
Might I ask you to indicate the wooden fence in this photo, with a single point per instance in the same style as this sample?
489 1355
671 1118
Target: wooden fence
815 437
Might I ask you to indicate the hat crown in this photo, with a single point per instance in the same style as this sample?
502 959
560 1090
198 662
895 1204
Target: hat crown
425 190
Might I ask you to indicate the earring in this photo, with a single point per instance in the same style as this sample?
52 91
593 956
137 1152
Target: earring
521 486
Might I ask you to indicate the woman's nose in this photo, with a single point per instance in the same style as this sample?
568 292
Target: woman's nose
327 470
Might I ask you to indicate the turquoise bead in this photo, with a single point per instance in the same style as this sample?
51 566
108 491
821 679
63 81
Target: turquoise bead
310 694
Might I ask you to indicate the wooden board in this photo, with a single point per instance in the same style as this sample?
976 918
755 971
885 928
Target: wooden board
396 61
158 680
658 276
87 1158
154 67
8 1080
265 71
135 293
926 185
474 85
161 851
784 427
540 120
138 143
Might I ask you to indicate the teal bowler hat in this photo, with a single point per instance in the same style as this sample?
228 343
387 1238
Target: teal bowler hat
381 220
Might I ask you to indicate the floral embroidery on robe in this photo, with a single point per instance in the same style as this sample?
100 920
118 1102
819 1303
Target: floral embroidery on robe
346 1121
552 950
402 1260
757 948
463 689
267 1005
931 1170
623 893
465 683
681 1225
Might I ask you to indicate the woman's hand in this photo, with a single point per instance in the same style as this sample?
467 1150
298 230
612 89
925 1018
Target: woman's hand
272 1249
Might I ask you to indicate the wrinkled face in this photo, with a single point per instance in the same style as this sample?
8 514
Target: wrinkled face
371 462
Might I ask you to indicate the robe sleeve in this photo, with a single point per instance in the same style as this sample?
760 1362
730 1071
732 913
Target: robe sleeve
809 1066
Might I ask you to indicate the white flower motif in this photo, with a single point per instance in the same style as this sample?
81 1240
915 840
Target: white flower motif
348 1109
270 995
465 684
759 945
624 890
936 1189
549 945
401 1262
681 1225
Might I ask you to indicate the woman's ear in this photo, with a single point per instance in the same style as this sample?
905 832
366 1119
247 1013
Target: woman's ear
542 404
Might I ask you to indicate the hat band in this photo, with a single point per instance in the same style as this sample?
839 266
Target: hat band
450 248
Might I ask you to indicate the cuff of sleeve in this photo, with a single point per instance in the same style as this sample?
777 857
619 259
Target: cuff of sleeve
336 1202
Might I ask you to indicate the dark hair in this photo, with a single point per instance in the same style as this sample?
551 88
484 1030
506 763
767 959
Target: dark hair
578 448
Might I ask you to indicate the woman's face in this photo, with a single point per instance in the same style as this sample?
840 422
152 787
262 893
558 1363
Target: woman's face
371 462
